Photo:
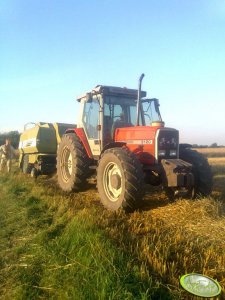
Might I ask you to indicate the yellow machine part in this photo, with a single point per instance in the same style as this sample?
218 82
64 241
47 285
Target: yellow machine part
43 138
39 139
60 129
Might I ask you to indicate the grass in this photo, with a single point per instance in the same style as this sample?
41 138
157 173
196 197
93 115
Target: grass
69 247
52 249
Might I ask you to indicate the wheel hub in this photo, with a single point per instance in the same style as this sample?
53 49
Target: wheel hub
115 181
112 181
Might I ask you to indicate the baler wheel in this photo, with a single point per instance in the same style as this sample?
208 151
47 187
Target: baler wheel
34 173
26 166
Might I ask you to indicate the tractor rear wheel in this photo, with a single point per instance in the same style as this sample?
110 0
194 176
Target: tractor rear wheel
201 170
120 180
72 163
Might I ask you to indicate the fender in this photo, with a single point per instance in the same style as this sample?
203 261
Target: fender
113 145
82 136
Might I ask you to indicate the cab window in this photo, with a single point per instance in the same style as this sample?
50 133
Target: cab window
91 118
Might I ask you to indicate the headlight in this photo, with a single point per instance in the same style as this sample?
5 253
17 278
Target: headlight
173 153
162 152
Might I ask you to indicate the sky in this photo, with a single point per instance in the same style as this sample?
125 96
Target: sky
52 51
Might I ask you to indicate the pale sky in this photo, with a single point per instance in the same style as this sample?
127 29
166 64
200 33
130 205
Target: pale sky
52 51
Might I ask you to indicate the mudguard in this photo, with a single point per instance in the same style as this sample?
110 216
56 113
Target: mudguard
82 136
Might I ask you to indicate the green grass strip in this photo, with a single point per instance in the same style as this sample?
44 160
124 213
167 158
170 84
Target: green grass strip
46 253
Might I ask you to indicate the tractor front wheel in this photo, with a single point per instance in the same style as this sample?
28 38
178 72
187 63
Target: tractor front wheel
120 180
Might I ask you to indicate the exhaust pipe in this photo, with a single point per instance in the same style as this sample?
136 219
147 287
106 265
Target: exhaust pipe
139 98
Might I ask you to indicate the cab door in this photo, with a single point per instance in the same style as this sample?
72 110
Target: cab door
91 124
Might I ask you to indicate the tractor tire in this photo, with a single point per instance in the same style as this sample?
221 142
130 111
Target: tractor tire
72 163
201 170
26 166
120 180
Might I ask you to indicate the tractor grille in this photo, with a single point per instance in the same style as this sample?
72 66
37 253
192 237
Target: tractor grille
167 144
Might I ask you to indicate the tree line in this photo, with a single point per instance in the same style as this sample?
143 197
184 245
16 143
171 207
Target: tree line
14 136
213 145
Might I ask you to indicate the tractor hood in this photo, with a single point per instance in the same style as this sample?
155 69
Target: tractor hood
150 143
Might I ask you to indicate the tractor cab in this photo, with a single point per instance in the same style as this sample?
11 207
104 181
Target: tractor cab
106 108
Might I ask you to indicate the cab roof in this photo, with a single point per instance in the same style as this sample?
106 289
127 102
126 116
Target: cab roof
112 90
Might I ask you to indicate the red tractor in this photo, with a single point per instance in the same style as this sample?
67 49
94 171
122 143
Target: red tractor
121 134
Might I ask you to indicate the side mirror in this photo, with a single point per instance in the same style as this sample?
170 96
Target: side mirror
88 97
